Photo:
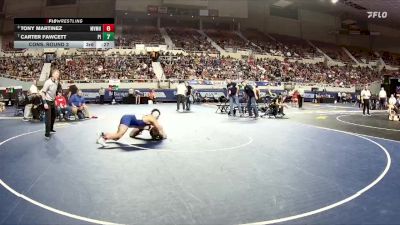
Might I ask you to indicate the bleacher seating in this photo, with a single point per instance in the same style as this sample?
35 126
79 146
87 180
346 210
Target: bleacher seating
190 40
333 51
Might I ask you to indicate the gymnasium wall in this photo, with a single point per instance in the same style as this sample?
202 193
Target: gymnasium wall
20 8
226 8
201 3
354 40
38 8
308 25
318 26
391 44
385 31
136 5
229 8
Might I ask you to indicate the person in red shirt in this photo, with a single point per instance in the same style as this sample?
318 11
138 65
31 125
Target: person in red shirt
152 96
62 107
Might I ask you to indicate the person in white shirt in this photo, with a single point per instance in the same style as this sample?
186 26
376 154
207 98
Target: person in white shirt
48 93
366 95
343 97
393 108
32 93
382 99
392 100
180 95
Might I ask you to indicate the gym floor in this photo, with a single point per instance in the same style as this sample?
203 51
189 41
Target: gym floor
323 164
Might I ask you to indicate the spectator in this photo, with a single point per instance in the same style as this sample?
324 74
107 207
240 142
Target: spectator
180 95
233 95
251 99
77 103
32 93
152 96
138 95
62 107
382 99
188 96
300 97
392 100
102 92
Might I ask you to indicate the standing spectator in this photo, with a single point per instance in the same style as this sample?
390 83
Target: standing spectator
300 97
382 99
138 94
131 96
252 99
358 100
48 93
180 95
102 92
258 93
188 96
62 107
233 95
366 95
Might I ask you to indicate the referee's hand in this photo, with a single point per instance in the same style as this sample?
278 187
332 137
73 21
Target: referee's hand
46 106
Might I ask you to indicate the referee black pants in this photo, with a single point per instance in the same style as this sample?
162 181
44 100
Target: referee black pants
300 100
188 102
382 103
50 118
366 106
180 100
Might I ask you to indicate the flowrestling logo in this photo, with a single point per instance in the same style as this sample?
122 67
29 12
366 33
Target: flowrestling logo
375 14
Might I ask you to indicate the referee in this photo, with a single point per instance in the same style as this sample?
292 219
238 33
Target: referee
365 96
48 93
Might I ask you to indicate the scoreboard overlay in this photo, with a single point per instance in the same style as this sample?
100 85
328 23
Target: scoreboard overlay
64 33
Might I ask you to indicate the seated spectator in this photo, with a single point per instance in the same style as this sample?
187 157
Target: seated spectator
62 107
77 103
37 106
152 96
2 106
393 108
32 104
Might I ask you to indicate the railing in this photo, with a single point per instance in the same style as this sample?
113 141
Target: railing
93 81
174 81
18 78
14 51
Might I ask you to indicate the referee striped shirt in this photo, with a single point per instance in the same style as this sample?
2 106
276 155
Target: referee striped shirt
49 89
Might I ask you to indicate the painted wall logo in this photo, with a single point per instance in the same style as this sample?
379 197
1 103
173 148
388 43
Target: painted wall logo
374 14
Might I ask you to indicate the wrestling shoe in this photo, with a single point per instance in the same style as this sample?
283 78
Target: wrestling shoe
101 140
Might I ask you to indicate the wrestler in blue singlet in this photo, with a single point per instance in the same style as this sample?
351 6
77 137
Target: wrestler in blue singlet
131 122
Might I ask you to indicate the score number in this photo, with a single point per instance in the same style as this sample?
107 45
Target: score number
108 32
108 28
